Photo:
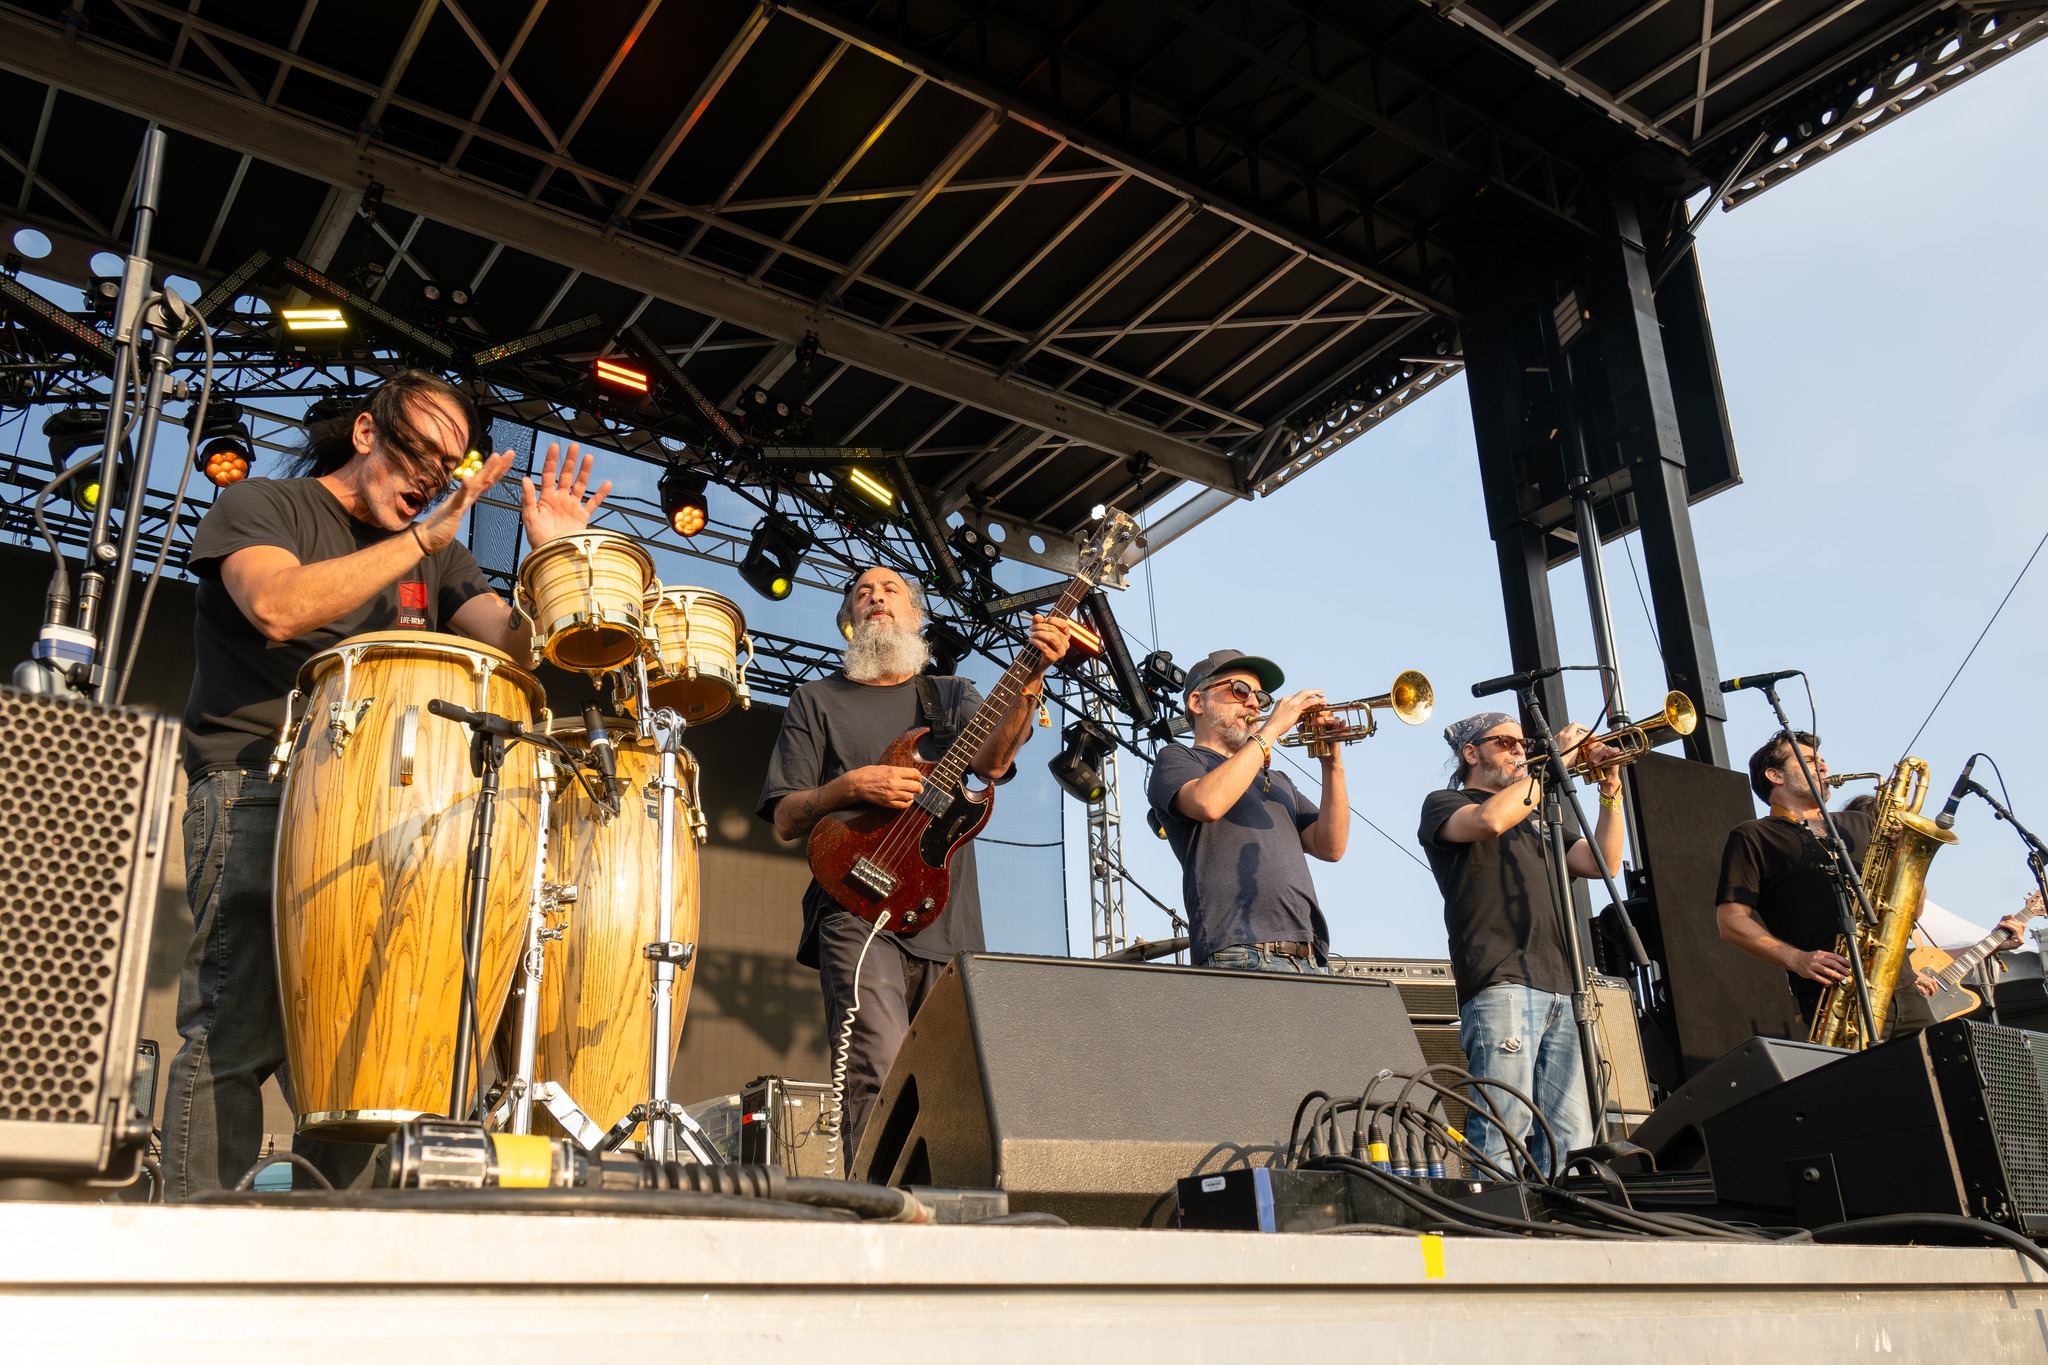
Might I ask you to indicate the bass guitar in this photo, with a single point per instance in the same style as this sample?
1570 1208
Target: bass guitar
874 862
1954 998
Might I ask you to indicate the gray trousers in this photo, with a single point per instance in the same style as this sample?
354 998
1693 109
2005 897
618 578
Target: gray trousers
893 983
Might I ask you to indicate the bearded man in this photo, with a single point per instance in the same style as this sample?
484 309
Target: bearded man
825 765
1244 833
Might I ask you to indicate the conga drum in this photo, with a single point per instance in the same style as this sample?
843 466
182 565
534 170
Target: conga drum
596 1006
694 637
373 838
586 594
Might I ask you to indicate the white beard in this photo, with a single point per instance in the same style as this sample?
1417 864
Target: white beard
1233 737
879 650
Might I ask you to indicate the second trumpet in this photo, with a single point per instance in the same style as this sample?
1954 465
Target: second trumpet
1633 741
1411 699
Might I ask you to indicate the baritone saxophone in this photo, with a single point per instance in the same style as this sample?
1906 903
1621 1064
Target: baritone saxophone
1895 878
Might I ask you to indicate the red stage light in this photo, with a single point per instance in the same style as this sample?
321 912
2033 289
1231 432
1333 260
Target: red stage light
621 376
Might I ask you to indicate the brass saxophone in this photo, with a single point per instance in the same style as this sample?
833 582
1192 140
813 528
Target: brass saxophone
1894 877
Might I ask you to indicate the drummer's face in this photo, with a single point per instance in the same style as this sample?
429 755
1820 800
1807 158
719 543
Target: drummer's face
882 594
397 490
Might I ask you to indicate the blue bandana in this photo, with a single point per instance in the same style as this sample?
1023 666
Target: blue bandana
1460 733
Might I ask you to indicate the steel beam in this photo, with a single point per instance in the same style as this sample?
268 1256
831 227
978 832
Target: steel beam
149 92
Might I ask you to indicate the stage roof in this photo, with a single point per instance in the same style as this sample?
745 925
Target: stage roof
1057 254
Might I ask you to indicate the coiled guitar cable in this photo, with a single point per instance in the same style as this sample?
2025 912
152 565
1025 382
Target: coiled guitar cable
839 1053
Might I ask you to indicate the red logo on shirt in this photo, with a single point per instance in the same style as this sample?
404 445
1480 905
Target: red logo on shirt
412 603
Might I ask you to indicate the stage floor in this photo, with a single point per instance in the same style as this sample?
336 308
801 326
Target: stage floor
219 1285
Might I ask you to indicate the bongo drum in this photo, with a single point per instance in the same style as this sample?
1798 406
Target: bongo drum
694 638
585 594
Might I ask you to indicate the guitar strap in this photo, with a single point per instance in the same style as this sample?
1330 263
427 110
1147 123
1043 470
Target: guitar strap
936 718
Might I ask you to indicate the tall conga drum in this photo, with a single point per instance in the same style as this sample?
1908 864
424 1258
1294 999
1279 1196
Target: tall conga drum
596 1007
373 839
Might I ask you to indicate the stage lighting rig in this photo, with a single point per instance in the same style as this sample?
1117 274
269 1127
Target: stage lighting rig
773 416
974 547
71 430
682 501
948 645
1162 674
614 377
862 494
1130 688
1031 599
1078 765
226 449
770 564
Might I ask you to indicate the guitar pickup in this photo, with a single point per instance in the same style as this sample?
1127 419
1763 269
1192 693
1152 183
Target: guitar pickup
870 877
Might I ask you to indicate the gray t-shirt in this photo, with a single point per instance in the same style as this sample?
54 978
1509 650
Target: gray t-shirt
1244 877
835 725
242 679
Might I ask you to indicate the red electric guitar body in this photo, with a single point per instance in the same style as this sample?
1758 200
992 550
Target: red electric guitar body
898 863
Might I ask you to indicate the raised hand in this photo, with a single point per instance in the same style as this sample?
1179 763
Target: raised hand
558 507
439 528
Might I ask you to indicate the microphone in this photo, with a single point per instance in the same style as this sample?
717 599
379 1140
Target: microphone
1759 680
1947 818
490 722
602 753
1510 681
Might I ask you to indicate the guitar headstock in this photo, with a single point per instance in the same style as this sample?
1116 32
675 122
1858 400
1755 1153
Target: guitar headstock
1105 546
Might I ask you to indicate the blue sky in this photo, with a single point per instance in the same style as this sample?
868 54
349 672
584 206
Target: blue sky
1879 320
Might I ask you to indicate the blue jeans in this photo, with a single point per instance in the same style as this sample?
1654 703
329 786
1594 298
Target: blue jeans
1527 1038
229 1015
1242 957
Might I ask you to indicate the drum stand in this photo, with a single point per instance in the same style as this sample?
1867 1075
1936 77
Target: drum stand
488 737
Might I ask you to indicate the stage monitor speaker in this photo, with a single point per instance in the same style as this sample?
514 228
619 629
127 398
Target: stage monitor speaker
1675 1134
1951 1120
1720 995
1087 1089
84 805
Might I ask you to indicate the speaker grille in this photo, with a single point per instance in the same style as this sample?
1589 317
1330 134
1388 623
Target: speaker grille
1428 991
2014 1066
82 790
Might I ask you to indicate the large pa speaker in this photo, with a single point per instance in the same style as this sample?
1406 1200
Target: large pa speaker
84 804
1951 1120
1086 1089
1720 996
1676 1133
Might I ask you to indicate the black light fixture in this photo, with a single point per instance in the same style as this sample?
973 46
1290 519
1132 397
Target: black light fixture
1130 690
1162 674
863 494
1078 765
71 430
948 648
974 547
769 567
226 450
334 407
682 501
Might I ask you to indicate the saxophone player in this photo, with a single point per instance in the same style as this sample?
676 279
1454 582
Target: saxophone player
1777 897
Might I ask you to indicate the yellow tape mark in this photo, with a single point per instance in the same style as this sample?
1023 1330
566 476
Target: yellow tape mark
523 1161
1432 1256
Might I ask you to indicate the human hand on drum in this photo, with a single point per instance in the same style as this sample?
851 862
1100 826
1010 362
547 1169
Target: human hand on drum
882 785
558 507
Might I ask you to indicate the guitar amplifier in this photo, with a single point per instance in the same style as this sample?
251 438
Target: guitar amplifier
1427 991
786 1123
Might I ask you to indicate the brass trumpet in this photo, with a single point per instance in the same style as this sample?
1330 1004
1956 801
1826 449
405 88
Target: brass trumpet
1411 699
1676 719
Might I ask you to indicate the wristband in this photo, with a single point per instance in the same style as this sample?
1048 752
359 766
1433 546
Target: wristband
415 529
1610 802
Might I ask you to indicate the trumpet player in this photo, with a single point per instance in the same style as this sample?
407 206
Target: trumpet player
1508 952
1243 832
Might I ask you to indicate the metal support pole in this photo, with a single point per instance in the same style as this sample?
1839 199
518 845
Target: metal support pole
668 727
1106 851
532 961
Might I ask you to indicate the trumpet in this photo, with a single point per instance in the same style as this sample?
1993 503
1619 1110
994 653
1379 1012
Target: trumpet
1411 699
1677 718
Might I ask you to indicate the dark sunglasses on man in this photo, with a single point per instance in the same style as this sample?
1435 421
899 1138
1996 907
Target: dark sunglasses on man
1243 692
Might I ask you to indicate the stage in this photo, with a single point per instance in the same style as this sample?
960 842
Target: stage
234 1284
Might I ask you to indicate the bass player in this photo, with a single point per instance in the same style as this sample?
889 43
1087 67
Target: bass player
826 761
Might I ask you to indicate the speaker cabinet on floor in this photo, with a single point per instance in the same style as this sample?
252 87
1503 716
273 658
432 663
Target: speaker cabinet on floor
84 804
1086 1089
1951 1120
1676 1133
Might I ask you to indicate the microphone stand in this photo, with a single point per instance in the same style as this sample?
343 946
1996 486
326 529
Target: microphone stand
2037 852
1845 872
486 758
1558 793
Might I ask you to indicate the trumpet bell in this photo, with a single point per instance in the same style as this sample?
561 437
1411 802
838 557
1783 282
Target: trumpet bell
1411 698
1679 715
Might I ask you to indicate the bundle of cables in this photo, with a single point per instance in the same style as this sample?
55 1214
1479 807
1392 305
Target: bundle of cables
1400 1136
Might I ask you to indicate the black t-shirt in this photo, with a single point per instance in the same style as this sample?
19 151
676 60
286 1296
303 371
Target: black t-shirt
1244 877
1498 906
1779 867
242 680
835 725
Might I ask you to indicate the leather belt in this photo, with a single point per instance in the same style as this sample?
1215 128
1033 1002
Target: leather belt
1307 950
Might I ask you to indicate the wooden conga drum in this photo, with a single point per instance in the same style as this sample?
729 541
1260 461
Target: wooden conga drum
694 638
373 839
596 1008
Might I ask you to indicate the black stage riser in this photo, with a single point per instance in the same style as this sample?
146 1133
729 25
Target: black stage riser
1953 1120
85 793
1087 1089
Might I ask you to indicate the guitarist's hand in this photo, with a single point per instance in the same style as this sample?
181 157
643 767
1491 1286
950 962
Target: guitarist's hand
881 785
2015 927
1925 983
1051 635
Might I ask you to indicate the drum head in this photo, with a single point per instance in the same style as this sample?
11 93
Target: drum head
596 647
697 700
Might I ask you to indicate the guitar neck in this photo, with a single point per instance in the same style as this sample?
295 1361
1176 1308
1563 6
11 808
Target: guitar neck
952 768
1965 962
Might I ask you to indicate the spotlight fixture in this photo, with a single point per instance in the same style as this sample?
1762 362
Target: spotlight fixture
772 415
682 501
1162 674
614 375
773 554
1077 766
74 429
227 451
1081 639
313 319
974 547
869 487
